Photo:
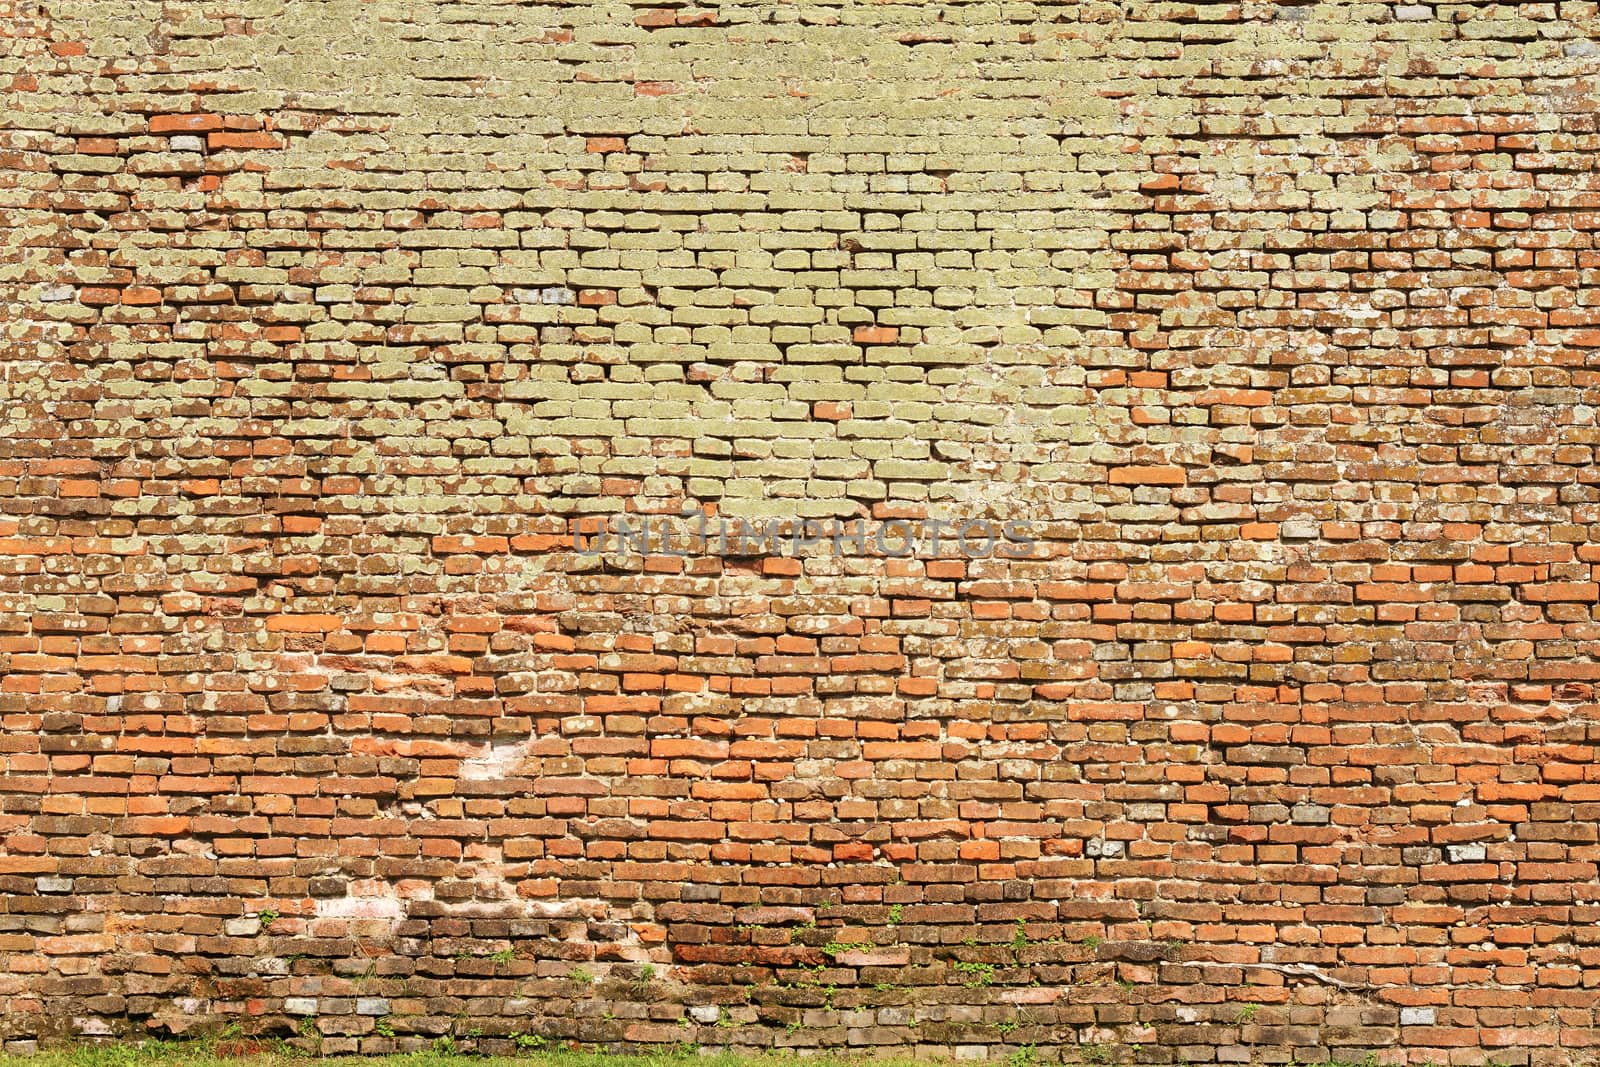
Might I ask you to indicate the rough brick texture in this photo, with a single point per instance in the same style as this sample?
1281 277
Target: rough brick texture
322 319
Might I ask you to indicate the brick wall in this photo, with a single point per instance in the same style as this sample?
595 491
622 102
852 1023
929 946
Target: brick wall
324 319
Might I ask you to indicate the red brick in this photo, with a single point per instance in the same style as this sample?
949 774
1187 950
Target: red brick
303 623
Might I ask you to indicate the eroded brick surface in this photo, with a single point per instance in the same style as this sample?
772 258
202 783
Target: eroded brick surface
323 319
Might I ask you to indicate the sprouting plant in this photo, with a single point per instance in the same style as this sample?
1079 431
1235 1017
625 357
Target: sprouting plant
308 1028
647 972
885 987
1096 1054
895 911
835 948
1092 942
793 1026
1022 1057
978 974
1019 935
1247 1012
444 1044
578 974
529 1042
1172 949
266 917
970 940
383 1028
1006 1027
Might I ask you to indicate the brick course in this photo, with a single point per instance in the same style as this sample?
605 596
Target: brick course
322 321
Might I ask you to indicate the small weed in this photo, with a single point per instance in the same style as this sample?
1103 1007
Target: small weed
1022 1057
529 1042
1019 936
1006 1027
383 1028
1247 1012
1092 942
978 974
578 974
640 984
895 911
444 1045
836 948
1096 1054
505 955
266 917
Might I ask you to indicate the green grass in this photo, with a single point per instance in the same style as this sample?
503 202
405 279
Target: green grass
166 1055
203 1054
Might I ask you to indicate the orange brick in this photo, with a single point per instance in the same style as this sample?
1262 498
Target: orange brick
194 123
1148 476
876 335
223 140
